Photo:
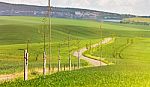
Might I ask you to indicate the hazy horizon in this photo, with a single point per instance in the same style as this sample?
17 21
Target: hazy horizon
134 7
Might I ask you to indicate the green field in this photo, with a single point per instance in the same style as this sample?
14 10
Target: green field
129 53
138 19
15 34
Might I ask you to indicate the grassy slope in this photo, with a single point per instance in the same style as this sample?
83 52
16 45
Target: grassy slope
12 57
133 64
15 31
126 73
131 71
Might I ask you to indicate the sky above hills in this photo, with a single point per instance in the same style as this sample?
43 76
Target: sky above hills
137 7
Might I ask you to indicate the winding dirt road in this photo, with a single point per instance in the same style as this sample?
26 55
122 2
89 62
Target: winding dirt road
89 60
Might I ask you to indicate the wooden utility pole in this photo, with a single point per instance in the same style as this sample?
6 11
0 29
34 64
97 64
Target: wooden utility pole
59 58
69 51
50 34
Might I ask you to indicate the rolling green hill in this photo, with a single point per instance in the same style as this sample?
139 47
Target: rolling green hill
129 70
17 30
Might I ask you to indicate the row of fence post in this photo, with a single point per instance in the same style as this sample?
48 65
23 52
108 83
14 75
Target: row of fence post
60 68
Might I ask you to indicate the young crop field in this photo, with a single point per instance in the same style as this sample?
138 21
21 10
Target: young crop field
128 53
15 34
138 19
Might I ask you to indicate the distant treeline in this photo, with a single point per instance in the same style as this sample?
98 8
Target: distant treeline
7 9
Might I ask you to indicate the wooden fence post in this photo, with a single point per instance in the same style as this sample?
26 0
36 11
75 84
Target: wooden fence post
78 54
53 69
74 67
69 51
25 65
44 64
64 68
59 58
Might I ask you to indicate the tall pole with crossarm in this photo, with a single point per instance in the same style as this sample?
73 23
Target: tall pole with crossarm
50 34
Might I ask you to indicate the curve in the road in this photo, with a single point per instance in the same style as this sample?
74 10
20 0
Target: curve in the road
93 62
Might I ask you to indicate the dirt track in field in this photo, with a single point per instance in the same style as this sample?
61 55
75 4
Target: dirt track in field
89 60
